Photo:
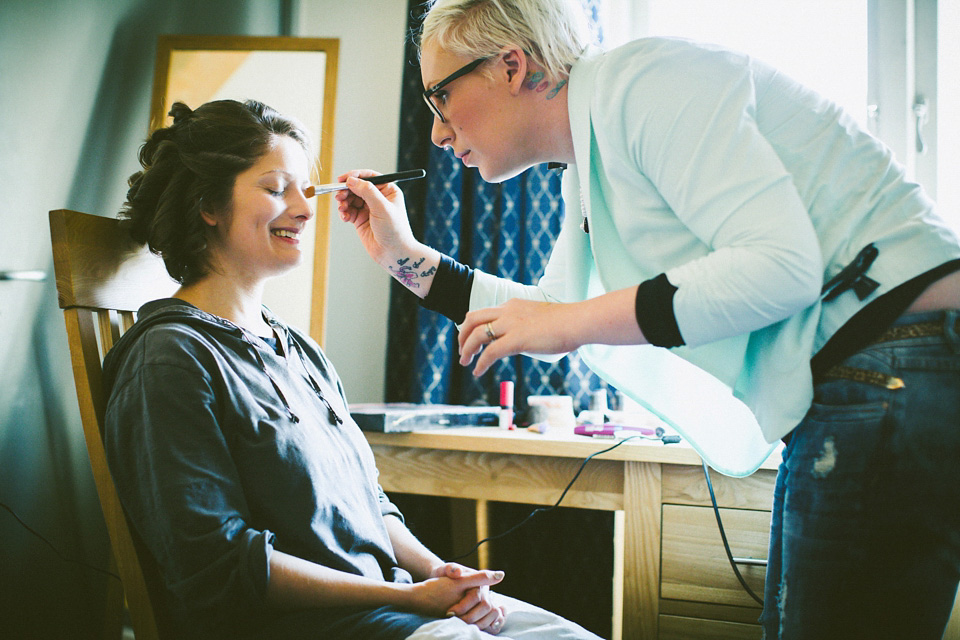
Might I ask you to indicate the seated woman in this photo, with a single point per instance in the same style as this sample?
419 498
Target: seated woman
228 433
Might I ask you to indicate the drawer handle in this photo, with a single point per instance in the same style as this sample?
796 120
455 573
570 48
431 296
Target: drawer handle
753 562
726 545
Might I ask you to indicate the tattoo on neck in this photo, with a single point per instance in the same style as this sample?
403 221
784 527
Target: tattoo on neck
553 92
536 81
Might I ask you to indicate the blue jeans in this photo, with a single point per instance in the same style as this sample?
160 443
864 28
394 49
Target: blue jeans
865 534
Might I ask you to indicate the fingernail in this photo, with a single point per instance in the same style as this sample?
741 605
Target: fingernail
498 575
450 614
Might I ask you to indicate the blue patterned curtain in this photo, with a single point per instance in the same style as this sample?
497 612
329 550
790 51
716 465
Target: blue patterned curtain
508 230
505 229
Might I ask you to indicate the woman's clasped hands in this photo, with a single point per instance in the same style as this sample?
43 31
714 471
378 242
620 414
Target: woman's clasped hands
455 590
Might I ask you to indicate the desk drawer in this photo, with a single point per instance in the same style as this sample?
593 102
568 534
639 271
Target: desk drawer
694 565
685 485
680 628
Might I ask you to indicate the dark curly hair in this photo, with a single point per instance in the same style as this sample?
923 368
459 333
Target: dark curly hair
192 166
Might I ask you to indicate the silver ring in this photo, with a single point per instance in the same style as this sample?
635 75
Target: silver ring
490 333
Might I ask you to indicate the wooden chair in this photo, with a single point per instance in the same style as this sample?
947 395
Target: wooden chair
101 281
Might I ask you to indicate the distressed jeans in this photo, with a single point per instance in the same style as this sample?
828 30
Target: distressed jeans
865 533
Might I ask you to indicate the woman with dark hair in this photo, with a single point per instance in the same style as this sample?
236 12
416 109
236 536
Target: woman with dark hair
774 251
228 432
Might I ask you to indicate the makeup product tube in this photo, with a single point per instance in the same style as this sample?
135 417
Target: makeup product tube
506 405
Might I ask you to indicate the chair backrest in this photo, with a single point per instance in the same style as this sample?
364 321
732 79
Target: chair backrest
102 279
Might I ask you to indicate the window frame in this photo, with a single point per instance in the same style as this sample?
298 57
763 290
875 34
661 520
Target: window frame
902 74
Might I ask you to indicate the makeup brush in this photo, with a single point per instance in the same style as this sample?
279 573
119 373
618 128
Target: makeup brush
318 189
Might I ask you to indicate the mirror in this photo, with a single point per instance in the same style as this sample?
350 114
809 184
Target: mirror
295 76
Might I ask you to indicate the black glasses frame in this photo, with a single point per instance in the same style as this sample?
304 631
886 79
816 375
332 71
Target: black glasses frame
462 71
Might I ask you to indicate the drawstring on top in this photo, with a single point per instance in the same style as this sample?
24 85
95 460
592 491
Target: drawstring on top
276 387
316 387
313 383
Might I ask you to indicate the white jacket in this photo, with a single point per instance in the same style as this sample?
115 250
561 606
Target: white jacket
749 191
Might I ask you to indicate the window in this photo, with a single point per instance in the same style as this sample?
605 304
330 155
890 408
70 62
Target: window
791 35
948 115
879 59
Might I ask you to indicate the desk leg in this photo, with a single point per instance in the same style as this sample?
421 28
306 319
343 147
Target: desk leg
470 524
483 531
641 550
618 579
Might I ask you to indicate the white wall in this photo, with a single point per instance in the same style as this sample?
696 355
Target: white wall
75 82
371 34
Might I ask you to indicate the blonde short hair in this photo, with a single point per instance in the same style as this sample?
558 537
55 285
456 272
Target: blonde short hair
553 33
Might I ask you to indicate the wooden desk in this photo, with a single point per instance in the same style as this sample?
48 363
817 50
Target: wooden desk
485 464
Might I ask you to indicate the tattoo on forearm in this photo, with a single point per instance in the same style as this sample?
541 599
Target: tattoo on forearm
407 273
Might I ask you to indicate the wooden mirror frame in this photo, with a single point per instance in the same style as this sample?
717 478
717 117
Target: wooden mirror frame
208 86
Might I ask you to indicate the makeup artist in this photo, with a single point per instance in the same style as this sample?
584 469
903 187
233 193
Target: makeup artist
718 209
228 432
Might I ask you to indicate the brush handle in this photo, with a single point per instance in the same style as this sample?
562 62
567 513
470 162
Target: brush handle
413 174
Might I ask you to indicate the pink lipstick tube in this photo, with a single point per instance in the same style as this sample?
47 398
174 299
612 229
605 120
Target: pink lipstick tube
506 405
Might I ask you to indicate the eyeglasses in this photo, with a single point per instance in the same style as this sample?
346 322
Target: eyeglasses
435 101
